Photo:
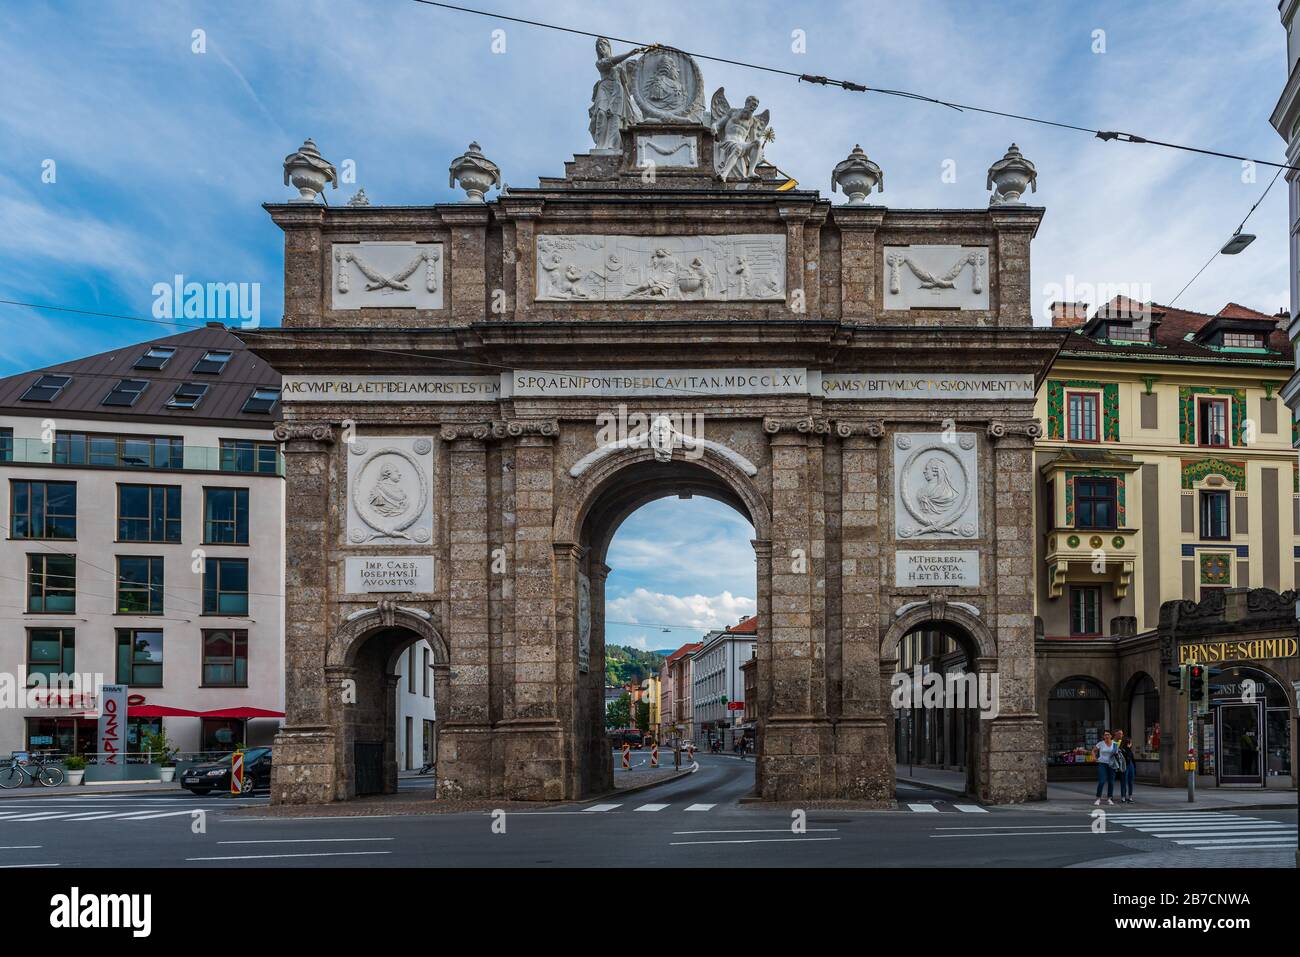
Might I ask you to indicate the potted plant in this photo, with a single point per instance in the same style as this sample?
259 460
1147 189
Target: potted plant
164 755
75 765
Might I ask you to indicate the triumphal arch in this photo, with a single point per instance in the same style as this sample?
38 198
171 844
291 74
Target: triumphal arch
477 393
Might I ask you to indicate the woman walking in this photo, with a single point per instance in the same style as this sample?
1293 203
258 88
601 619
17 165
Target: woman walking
1104 750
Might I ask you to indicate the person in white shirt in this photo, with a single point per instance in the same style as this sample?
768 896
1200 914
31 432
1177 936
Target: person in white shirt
1104 751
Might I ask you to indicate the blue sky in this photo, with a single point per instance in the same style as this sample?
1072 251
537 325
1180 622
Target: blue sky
163 156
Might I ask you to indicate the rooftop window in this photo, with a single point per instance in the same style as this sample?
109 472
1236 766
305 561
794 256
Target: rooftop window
187 395
213 362
46 388
263 399
125 392
155 357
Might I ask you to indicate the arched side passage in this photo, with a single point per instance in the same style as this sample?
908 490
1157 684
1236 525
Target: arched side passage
360 666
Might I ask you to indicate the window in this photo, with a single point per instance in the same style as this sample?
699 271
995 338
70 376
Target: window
43 509
1095 502
410 669
1212 422
46 388
1214 515
140 657
1085 611
149 513
187 395
51 583
155 357
1123 332
225 586
1084 425
263 399
126 392
425 672
221 734
6 445
139 585
213 362
119 451
225 516
1241 340
245 455
50 653
225 659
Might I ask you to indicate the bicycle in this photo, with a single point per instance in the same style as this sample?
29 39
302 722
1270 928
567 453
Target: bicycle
12 776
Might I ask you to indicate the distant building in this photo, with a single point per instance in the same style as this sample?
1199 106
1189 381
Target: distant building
679 723
718 682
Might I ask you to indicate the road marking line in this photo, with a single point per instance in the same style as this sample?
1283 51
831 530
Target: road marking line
7 866
38 817
261 857
1249 847
755 830
651 807
971 808
21 847
924 808
310 840
601 807
1007 827
701 807
1233 840
755 840
150 815
1022 834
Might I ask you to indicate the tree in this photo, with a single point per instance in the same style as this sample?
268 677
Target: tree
618 713
643 716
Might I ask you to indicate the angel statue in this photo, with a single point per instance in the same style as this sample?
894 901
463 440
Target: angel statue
612 106
739 136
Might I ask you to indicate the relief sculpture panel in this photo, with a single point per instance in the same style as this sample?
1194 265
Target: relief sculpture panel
390 495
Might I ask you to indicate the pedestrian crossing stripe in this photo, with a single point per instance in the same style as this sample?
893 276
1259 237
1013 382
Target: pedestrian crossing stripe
924 808
701 807
652 807
1211 830
971 808
137 814
603 807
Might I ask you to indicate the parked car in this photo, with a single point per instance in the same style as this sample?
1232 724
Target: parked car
204 778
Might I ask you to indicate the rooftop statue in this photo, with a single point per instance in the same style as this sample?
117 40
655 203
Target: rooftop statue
612 107
739 136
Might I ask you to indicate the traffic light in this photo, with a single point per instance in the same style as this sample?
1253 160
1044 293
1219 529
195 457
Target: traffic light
1197 686
1210 687
1180 676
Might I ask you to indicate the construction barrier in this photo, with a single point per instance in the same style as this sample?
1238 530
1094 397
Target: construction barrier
654 756
627 756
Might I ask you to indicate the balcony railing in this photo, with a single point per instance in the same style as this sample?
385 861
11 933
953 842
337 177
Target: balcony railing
151 458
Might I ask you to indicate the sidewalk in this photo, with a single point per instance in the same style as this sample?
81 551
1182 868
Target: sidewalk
1079 795
107 787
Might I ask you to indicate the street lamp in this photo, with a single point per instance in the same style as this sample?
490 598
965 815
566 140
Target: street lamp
1237 243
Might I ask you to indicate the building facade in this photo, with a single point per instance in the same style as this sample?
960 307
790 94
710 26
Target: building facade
143 498
1286 121
680 721
1168 531
718 693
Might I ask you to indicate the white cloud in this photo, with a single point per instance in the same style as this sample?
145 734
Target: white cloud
701 612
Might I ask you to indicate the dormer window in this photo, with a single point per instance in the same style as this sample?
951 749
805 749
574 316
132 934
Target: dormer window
155 357
263 399
1242 340
1127 332
213 362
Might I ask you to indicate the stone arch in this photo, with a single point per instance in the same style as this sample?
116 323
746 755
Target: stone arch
592 482
938 611
344 644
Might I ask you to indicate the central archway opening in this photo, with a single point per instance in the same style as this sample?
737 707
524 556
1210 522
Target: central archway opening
670 574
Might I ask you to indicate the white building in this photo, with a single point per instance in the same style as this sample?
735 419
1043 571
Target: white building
1286 120
142 499
718 685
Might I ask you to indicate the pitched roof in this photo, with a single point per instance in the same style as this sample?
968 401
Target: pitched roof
93 377
747 626
1171 328
682 652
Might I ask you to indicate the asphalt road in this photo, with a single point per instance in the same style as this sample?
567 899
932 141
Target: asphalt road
697 821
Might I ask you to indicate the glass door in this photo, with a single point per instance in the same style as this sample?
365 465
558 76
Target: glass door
1241 743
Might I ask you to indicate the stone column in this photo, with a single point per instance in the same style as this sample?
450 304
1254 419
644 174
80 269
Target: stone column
524 215
533 743
390 738
1015 227
600 761
466 731
863 728
1014 739
797 754
860 263
305 769
467 262
306 278
341 694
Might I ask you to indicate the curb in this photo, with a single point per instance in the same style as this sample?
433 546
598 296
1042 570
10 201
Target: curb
941 788
69 791
1082 804
635 788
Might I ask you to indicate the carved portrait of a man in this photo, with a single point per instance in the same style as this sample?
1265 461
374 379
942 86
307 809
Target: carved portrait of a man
387 497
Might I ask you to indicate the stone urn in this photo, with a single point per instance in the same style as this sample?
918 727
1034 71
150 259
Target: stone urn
476 173
1009 177
308 172
857 176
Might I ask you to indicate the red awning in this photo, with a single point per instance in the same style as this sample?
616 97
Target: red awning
240 713
158 711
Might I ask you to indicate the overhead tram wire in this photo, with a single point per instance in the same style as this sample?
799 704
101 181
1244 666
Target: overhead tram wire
1218 252
852 87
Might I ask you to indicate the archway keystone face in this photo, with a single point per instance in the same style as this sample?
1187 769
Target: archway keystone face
876 434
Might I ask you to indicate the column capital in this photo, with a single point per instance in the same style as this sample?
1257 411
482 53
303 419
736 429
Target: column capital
871 429
1019 431
806 425
314 435
519 428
